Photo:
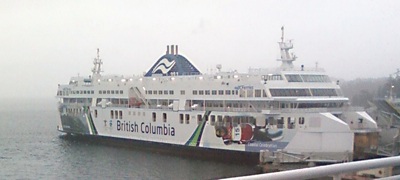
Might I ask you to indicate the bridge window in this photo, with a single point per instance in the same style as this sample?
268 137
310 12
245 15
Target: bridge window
324 92
112 114
194 92
257 93
228 92
221 92
242 93
293 78
290 92
182 92
264 93
315 78
250 93
214 92
272 77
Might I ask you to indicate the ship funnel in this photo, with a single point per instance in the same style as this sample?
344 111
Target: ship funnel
176 49
167 50
172 49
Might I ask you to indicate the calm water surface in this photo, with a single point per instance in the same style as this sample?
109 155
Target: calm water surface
32 148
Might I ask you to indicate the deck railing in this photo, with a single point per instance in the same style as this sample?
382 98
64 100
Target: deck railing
334 170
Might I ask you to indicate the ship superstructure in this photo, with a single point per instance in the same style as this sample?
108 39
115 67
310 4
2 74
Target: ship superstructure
294 114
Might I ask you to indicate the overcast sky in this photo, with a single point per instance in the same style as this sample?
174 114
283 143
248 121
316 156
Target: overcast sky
44 43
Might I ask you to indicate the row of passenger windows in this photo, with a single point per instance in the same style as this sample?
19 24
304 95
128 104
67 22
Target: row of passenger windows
118 114
194 92
160 92
241 92
111 92
215 92
68 92
77 100
272 77
307 78
303 92
290 122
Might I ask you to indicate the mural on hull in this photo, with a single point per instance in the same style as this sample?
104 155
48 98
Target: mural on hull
245 133
254 138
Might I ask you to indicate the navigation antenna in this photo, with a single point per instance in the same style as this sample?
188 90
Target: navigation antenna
286 58
97 64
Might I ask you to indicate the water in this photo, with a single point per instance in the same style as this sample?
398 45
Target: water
32 148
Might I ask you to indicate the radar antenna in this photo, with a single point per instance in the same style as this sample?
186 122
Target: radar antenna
97 64
286 57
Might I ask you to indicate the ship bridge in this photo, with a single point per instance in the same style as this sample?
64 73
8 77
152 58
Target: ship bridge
172 64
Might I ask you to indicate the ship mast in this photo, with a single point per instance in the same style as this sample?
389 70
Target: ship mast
286 58
97 65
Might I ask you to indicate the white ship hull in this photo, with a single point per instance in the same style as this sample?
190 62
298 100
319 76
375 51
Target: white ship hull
294 115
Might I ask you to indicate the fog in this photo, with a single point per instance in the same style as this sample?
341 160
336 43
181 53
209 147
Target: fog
44 43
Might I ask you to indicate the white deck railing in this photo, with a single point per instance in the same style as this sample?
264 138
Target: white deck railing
334 170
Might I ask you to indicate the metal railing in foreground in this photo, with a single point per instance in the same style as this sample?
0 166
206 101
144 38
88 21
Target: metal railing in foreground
334 170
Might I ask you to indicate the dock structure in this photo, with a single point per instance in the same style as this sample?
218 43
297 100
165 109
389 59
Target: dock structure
387 116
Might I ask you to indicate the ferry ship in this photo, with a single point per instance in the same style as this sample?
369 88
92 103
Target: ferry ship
286 114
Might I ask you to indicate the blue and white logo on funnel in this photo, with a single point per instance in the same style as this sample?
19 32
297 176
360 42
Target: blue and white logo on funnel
164 66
